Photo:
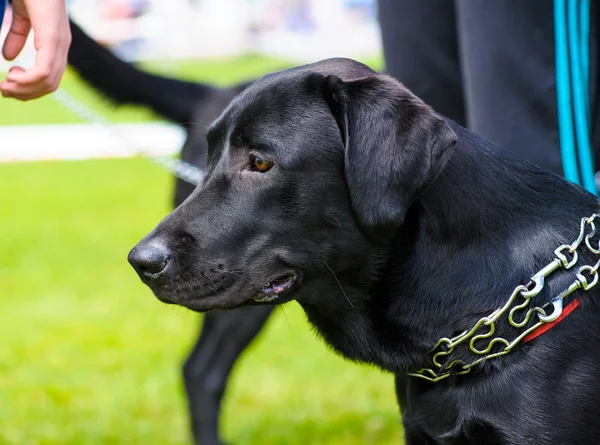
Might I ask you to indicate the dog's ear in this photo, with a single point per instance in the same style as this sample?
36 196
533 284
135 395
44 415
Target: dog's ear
395 146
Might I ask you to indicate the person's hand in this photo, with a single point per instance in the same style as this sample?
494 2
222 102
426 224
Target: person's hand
52 38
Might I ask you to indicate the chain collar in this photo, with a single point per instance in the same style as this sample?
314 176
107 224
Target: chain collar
518 311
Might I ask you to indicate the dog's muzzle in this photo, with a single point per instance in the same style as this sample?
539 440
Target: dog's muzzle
149 259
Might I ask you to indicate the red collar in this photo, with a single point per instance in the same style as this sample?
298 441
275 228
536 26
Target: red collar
547 326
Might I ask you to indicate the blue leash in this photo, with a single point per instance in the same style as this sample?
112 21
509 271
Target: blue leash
572 88
579 63
563 92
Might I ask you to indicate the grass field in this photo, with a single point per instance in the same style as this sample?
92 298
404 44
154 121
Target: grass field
89 356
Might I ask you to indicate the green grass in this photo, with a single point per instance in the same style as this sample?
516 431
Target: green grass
89 356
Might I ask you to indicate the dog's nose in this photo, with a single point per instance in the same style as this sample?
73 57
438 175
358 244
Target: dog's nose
149 259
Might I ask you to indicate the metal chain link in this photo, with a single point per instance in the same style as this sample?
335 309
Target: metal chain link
181 169
440 371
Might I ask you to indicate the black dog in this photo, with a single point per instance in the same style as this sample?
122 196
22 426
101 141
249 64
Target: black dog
393 228
192 105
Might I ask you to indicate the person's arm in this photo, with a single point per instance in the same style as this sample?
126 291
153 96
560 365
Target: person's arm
52 38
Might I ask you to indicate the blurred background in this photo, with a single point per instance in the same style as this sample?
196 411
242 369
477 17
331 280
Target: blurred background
88 355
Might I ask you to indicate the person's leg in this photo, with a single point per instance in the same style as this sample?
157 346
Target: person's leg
420 49
594 49
524 73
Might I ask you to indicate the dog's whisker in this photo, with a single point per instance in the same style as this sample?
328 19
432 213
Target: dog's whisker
339 284
190 285
212 289
199 284
205 275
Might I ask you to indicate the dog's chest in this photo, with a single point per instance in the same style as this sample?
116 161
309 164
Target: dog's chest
436 418
442 431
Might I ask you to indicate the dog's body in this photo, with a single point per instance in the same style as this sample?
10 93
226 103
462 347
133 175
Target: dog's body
392 227
193 106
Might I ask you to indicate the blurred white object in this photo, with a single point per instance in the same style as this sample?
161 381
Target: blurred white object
296 30
87 141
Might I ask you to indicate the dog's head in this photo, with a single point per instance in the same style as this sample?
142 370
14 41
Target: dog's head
309 172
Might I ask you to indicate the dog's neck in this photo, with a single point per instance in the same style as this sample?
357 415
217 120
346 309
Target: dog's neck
467 242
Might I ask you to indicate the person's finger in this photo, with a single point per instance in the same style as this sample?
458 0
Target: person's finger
20 91
43 70
23 92
26 92
7 88
6 92
21 97
16 38
16 68
9 77
7 85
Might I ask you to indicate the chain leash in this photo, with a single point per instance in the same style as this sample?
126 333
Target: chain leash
518 311
181 169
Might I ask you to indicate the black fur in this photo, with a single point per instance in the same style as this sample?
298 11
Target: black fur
193 106
392 227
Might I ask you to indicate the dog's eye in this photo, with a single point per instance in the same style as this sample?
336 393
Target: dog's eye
260 164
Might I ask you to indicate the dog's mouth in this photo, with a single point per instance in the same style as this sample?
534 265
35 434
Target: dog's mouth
274 289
